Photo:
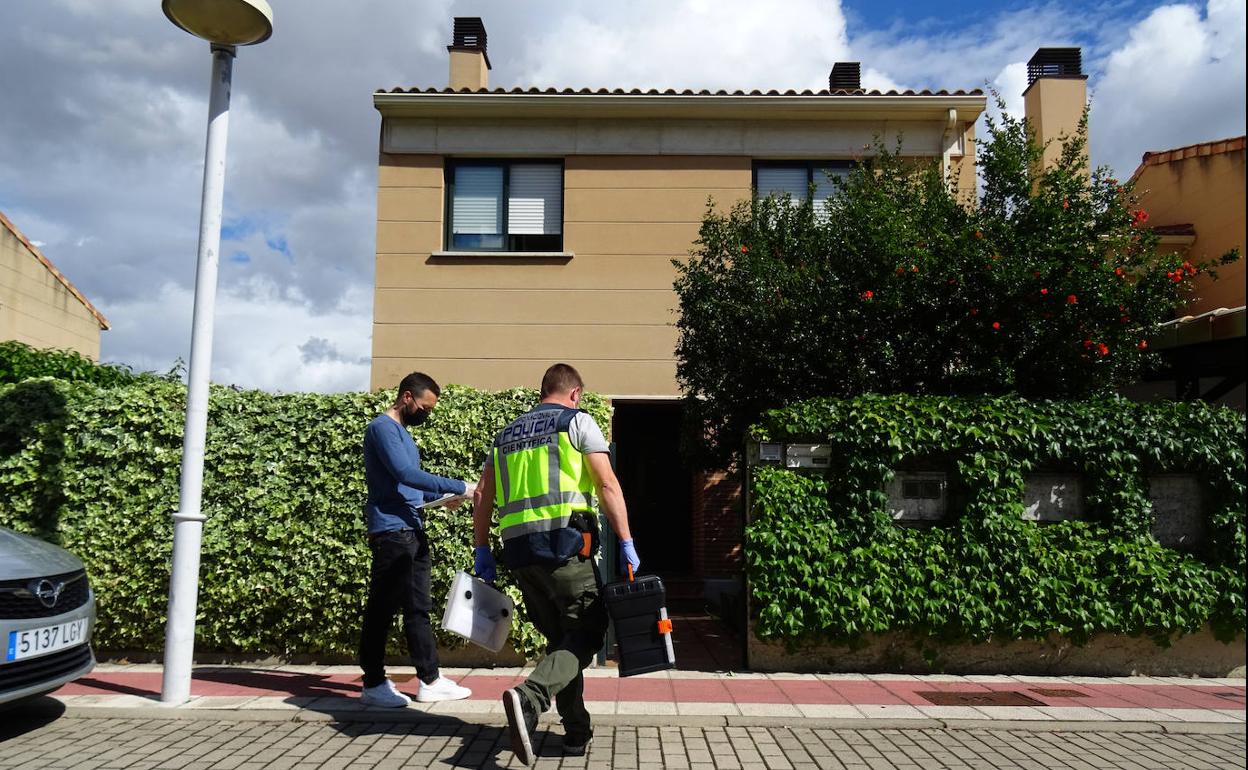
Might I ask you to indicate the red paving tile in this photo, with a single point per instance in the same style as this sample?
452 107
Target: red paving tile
487 687
600 688
868 693
756 691
634 689
235 682
701 691
803 691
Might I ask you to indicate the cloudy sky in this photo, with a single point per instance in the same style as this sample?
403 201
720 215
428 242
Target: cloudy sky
104 103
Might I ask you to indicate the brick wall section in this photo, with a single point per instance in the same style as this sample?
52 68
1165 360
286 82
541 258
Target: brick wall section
717 524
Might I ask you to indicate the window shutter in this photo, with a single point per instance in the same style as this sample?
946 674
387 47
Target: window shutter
535 199
825 188
478 204
777 180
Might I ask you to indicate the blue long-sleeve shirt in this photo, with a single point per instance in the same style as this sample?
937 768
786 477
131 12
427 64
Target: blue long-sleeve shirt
397 487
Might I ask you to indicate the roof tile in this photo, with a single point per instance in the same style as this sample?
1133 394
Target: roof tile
686 92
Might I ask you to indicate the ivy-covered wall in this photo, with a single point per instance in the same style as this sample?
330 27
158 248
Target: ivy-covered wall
285 561
827 563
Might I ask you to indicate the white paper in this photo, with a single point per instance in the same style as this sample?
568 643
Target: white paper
445 499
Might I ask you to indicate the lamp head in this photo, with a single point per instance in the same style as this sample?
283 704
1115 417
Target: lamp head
224 22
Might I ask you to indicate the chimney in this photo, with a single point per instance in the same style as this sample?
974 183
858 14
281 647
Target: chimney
470 66
846 76
1057 92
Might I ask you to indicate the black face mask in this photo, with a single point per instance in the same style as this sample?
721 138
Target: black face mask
415 417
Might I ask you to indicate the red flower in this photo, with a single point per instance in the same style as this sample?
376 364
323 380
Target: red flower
1140 217
1176 276
868 294
1071 299
1142 345
745 249
996 324
1088 343
914 268
974 311
1102 349
1124 319
1044 291
1065 203
901 271
979 233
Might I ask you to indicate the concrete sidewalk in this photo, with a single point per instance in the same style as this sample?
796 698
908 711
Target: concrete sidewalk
330 693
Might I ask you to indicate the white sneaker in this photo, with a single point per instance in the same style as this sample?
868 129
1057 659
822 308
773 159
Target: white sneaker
441 689
385 695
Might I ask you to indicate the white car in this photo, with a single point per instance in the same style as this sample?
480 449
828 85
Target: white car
47 614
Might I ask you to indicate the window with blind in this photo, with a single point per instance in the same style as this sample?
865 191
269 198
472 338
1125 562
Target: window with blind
795 178
504 205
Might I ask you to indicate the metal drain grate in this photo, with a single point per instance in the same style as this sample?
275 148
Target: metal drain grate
1057 692
992 698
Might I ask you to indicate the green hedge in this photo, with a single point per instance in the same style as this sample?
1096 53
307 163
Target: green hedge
19 361
826 562
285 562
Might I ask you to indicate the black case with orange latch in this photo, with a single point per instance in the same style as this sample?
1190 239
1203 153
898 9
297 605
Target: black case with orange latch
643 631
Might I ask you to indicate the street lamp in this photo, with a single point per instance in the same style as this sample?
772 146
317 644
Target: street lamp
224 24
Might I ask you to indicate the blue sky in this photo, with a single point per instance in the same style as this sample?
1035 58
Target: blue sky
103 130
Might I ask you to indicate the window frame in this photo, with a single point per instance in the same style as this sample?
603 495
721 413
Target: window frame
510 241
810 165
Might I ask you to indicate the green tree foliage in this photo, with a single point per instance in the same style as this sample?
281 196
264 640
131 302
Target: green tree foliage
826 561
19 361
285 561
1049 287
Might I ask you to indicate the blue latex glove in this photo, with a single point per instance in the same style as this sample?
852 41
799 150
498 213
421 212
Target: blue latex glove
483 563
629 554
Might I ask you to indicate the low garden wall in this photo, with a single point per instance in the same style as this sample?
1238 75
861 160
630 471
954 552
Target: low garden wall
1100 536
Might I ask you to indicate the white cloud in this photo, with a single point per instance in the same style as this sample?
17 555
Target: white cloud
729 44
103 130
1178 79
262 336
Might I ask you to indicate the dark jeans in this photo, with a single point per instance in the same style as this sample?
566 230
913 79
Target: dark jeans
399 580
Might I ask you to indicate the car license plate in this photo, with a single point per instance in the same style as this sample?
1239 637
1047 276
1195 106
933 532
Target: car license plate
39 641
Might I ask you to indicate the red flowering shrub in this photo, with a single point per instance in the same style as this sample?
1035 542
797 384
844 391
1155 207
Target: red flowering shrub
884 289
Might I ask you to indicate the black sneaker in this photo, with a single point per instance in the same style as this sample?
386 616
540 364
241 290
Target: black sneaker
576 745
521 722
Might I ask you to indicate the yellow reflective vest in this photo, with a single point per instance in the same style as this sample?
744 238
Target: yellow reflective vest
541 484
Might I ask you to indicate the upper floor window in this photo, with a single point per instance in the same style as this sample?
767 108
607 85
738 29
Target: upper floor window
500 205
796 177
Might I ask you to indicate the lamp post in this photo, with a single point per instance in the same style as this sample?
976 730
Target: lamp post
224 24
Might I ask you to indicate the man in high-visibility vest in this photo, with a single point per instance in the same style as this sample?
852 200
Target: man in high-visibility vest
542 474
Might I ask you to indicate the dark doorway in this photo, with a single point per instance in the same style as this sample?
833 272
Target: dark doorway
657 485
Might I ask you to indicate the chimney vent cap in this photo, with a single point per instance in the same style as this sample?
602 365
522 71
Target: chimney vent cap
468 34
845 76
1055 62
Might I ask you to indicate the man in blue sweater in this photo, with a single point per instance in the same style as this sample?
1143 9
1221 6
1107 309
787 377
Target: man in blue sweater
399 579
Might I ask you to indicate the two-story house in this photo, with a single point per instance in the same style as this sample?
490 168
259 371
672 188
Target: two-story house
519 227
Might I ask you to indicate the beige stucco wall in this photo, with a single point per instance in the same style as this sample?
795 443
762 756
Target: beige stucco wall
497 321
38 309
1207 192
635 192
1054 107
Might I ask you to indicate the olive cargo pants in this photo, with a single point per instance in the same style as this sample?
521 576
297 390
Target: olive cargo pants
565 604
